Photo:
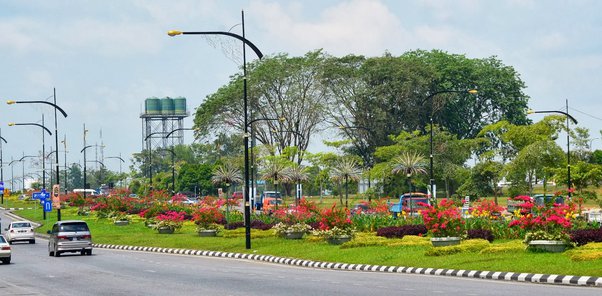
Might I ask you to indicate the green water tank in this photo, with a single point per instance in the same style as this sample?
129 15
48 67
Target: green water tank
167 106
180 105
152 106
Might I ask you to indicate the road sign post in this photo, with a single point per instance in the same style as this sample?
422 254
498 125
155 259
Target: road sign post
56 198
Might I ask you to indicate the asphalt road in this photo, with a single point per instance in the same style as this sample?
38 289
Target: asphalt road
115 272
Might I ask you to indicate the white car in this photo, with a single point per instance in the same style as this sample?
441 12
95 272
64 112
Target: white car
4 250
20 231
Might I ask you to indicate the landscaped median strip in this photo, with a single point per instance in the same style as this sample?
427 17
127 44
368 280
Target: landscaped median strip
492 275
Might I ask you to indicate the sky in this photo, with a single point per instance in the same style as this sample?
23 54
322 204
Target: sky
105 57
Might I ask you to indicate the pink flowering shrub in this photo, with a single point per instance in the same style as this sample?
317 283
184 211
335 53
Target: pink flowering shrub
170 219
444 220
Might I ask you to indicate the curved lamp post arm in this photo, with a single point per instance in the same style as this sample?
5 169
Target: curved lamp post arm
555 111
102 164
10 102
173 33
117 157
3 139
26 156
86 147
149 135
178 129
36 124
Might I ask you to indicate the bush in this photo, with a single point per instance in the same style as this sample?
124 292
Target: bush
481 233
255 224
401 231
466 246
584 236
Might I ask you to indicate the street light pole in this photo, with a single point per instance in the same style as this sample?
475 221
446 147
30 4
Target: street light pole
568 138
56 137
121 159
431 161
2 165
246 114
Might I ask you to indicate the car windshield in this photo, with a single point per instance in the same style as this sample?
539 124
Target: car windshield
21 224
70 227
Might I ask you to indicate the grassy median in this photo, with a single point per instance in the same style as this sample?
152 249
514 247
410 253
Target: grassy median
366 248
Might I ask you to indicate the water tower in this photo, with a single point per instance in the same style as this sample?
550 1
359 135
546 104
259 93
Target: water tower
160 117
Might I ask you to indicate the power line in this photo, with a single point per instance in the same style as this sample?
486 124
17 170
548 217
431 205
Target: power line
586 114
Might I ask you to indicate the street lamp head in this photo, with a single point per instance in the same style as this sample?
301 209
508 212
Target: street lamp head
473 91
10 102
174 33
11 124
530 111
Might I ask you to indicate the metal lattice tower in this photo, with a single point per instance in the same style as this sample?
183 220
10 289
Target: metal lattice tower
160 117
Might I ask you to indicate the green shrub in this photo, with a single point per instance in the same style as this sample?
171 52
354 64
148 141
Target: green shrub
510 247
471 245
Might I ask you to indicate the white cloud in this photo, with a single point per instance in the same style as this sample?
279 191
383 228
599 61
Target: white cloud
550 41
359 26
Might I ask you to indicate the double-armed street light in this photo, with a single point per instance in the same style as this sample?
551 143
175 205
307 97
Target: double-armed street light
121 159
568 139
43 144
246 43
56 137
2 165
173 156
431 161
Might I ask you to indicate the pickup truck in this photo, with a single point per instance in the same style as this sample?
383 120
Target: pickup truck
409 203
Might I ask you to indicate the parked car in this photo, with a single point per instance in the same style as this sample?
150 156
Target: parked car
360 208
271 203
272 197
409 203
542 200
5 252
69 236
20 231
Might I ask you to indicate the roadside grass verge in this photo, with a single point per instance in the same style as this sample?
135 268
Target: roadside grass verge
366 248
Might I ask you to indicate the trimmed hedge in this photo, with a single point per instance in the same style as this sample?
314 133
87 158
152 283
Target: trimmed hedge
401 231
481 233
584 236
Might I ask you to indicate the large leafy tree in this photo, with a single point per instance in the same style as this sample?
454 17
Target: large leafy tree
280 87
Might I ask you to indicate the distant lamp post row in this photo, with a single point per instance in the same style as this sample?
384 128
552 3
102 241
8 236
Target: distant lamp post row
2 166
56 136
246 43
431 172
568 143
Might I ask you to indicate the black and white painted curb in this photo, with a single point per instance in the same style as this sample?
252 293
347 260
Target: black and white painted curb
492 275
16 209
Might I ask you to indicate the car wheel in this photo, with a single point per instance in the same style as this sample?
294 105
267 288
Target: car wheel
6 260
89 252
33 241
56 253
50 253
83 252
10 242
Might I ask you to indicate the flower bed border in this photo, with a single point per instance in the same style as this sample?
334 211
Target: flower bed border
490 275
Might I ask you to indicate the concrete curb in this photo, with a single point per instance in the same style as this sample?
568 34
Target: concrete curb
476 274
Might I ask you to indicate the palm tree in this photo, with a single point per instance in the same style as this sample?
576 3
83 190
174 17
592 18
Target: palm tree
346 169
298 174
276 172
409 164
226 174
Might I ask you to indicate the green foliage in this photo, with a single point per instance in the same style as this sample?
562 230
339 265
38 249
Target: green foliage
472 246
511 247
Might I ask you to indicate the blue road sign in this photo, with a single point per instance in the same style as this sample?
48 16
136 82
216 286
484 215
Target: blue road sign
47 206
1 186
42 195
